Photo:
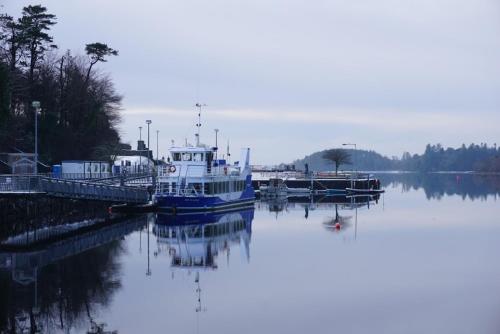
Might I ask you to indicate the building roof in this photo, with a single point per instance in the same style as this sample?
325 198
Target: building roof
190 149
81 161
134 160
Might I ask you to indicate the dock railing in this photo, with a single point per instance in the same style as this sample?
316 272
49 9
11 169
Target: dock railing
29 184
315 175
20 183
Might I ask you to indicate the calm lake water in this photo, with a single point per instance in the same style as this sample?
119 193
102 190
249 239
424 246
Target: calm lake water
422 258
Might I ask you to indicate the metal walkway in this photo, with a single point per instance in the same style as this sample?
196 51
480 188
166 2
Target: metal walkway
73 189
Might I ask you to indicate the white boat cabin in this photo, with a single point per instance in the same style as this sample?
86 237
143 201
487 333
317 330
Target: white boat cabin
195 170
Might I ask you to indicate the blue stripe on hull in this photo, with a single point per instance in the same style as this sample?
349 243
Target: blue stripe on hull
203 203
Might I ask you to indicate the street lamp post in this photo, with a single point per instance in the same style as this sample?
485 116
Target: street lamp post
354 158
216 147
157 132
148 122
354 145
36 106
140 152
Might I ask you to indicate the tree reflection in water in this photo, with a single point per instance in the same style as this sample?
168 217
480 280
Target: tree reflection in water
65 294
437 185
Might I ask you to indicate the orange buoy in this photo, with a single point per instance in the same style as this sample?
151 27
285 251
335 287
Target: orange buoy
337 226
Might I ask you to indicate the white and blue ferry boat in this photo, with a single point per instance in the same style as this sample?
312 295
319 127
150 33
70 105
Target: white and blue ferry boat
195 180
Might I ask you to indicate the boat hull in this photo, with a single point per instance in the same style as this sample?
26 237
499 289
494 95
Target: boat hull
178 204
364 191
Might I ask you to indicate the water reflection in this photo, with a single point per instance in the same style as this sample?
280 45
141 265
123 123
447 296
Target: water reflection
435 185
416 253
63 286
339 222
194 241
281 205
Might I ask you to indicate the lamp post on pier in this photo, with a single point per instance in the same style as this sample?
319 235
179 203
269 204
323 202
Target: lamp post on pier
157 132
36 106
148 122
353 162
354 145
140 152
216 147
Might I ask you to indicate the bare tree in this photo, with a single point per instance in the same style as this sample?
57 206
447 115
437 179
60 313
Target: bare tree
338 157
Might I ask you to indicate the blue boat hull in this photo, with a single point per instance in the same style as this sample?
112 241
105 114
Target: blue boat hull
177 204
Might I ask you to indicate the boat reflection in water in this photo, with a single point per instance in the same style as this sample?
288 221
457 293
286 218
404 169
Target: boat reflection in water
195 240
311 203
338 222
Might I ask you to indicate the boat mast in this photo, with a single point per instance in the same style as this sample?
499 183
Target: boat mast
198 125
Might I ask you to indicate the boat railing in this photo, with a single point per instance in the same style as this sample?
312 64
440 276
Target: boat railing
179 189
285 175
220 170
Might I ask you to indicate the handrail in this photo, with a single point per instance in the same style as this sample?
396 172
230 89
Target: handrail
70 188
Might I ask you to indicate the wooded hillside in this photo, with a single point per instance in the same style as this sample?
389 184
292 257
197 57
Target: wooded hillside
79 105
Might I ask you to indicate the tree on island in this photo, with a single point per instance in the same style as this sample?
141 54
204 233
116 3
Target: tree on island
338 157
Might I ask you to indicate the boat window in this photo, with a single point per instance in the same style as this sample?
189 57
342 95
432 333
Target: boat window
209 157
176 157
197 156
186 156
197 187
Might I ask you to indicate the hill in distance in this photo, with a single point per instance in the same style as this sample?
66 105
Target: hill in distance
481 158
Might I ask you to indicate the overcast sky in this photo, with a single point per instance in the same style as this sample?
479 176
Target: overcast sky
288 78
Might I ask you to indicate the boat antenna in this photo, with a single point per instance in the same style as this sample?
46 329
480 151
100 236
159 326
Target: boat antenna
198 125
228 154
